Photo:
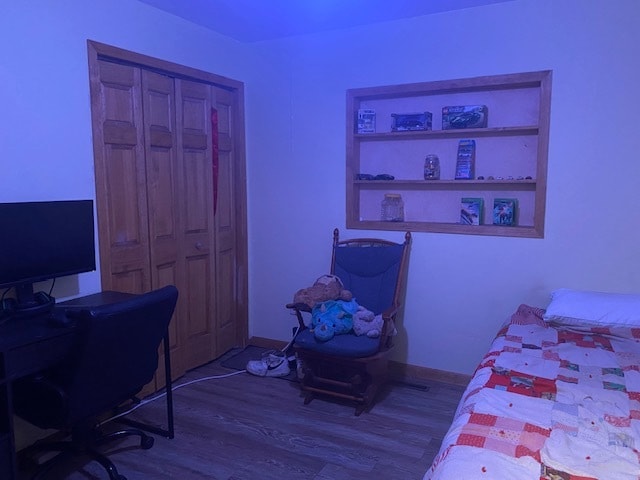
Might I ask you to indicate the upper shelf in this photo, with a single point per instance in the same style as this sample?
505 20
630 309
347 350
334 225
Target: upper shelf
460 133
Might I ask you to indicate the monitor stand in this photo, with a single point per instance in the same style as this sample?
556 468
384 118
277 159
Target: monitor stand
27 303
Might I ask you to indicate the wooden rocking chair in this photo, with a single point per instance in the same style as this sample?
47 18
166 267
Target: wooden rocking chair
348 366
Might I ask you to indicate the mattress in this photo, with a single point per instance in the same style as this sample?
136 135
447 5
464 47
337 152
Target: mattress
556 402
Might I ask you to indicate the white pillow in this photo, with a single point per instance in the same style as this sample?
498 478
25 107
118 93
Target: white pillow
574 307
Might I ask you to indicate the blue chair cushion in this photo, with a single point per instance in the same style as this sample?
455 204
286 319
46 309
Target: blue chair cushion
370 274
346 345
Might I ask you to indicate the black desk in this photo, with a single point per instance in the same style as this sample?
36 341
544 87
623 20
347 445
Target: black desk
27 345
30 345
101 298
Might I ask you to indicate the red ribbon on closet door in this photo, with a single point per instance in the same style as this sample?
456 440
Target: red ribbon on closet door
215 156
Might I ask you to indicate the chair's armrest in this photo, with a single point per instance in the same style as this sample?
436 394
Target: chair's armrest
303 307
298 308
388 317
390 312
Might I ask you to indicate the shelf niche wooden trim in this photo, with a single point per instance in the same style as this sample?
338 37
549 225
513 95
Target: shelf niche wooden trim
525 129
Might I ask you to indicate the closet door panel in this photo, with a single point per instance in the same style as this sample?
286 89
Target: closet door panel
161 185
120 177
131 281
127 233
196 170
198 267
196 210
226 275
163 201
166 274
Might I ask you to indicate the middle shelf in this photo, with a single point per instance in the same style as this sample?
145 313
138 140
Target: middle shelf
525 184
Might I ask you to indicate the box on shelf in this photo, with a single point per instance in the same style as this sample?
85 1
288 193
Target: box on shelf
505 211
464 116
408 122
471 211
466 160
366 121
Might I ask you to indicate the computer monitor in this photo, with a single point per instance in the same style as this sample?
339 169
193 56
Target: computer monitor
41 241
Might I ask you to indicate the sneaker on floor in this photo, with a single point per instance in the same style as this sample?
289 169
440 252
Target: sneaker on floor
272 364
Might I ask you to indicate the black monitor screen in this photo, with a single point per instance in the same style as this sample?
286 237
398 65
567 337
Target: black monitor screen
44 240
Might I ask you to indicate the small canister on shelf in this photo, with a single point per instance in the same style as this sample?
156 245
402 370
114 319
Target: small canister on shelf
392 208
432 167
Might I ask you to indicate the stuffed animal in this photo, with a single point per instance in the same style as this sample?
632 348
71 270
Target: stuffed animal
334 317
327 287
365 322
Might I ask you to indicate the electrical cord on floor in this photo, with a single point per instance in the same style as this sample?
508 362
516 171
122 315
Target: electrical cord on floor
164 394
191 382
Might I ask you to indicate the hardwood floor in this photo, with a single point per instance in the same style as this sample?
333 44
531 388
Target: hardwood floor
245 428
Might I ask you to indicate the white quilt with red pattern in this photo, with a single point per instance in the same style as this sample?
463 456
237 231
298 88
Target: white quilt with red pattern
549 403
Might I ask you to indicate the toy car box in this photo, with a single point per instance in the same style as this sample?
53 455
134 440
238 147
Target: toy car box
366 121
465 116
466 160
407 122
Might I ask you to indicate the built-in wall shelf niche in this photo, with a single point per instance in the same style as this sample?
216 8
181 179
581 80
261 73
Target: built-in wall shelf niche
510 154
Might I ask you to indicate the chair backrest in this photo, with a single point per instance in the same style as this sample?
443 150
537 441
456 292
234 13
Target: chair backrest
373 270
116 352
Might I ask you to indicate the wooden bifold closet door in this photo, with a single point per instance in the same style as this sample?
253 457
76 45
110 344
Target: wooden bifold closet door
170 195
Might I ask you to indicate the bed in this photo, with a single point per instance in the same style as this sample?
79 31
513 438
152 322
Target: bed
557 397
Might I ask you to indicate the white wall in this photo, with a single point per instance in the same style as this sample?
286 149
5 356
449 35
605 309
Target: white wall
295 112
460 288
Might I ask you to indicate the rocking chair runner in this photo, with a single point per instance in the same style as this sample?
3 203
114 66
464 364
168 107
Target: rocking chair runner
349 366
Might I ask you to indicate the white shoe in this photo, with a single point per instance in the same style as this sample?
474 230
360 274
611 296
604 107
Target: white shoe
272 364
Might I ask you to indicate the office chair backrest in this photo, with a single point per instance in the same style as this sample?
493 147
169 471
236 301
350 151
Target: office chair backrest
370 271
117 351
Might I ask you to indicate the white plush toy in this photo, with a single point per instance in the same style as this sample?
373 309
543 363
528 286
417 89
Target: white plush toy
365 322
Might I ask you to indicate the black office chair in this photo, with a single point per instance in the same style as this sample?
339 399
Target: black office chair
115 356
349 366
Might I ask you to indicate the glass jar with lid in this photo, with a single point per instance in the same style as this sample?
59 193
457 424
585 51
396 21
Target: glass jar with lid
392 208
432 167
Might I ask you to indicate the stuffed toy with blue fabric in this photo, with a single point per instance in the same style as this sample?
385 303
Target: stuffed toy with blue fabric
334 317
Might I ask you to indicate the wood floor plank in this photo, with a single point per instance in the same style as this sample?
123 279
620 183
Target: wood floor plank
244 428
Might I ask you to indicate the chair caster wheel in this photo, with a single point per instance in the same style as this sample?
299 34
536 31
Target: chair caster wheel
146 443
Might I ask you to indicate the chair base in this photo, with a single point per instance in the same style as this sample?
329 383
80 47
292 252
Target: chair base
81 444
356 379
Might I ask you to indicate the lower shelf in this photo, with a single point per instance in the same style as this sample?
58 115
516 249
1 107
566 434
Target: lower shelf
456 228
